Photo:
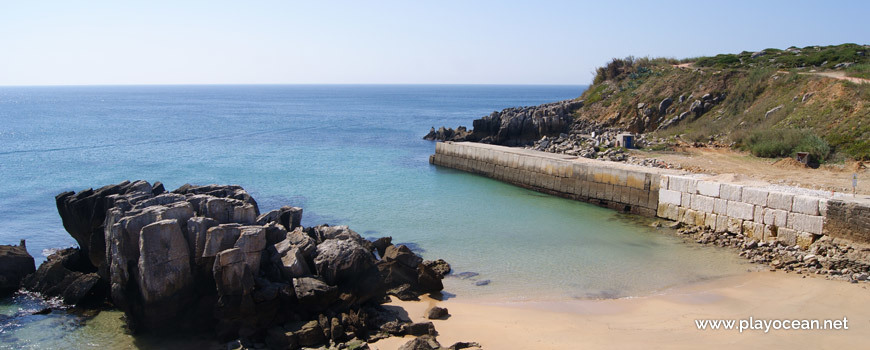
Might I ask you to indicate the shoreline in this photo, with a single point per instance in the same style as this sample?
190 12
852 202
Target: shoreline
658 320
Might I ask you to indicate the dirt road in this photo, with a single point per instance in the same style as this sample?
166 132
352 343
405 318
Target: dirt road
745 167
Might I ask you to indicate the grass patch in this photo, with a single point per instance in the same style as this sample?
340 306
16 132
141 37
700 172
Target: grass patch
859 71
774 143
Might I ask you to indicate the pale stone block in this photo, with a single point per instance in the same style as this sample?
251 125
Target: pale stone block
740 210
786 235
708 188
758 214
730 192
702 203
720 206
710 221
681 212
662 210
775 217
692 186
679 183
823 207
753 230
778 200
806 205
721 223
689 217
663 182
806 223
685 200
735 225
700 218
755 196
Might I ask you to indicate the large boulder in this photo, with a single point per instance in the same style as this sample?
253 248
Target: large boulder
342 260
15 264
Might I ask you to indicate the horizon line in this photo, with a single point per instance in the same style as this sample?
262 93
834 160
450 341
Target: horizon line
289 84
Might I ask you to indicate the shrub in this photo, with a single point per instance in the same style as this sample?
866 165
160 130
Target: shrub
774 143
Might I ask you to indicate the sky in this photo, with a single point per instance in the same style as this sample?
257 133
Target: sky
390 42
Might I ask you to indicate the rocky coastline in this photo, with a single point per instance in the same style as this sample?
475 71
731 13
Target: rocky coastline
833 258
203 258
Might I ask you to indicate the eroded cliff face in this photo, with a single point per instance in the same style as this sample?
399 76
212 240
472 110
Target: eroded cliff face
202 257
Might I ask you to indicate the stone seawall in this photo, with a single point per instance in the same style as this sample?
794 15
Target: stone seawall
766 213
622 187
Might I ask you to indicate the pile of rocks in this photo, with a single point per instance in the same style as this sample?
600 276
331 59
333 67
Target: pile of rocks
695 110
837 259
203 257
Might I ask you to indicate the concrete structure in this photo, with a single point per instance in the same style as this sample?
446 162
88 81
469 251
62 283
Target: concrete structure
785 214
618 186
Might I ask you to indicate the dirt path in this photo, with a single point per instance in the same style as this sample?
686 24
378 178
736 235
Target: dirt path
746 168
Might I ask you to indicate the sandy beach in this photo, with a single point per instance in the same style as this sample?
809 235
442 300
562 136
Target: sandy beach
666 320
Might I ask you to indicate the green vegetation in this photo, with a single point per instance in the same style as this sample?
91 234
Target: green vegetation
826 57
859 71
772 143
766 104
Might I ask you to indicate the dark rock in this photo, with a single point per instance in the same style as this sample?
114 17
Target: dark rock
381 245
289 217
663 106
15 264
464 345
308 333
313 291
440 267
482 283
157 188
403 255
424 342
84 213
279 338
421 328
57 273
436 313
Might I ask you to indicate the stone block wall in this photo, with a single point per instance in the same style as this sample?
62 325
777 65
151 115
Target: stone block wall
606 184
758 213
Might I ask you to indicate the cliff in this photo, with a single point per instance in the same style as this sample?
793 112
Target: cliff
771 102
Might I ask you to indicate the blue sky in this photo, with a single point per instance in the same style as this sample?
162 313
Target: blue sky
417 42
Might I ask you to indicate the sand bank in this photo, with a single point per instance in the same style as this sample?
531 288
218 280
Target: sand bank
664 320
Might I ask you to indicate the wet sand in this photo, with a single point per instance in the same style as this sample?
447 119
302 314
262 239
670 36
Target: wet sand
659 321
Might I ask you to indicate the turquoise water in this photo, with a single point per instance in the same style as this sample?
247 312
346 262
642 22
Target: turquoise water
350 155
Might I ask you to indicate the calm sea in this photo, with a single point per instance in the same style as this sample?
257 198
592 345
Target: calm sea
349 155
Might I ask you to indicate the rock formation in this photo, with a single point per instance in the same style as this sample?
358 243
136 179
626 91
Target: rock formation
518 126
15 264
202 257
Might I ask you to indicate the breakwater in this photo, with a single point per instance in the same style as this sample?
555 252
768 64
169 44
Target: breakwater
793 216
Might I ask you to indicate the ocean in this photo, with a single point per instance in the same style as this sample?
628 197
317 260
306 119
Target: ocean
348 155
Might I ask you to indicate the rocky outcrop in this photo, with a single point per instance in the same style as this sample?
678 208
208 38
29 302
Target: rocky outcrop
517 126
15 264
202 257
67 274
